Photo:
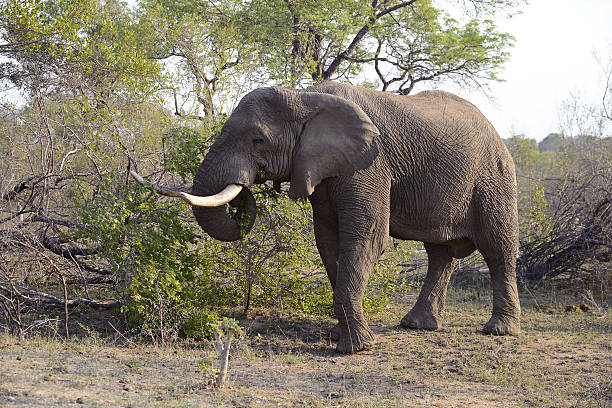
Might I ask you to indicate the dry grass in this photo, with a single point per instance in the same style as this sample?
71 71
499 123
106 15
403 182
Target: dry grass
560 360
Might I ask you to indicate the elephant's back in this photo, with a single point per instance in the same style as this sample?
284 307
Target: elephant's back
429 118
435 131
449 119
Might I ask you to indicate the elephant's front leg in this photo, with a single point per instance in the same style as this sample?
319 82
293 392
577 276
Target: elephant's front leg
425 314
325 221
363 234
354 270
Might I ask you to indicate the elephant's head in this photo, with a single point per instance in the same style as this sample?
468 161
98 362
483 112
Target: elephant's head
283 135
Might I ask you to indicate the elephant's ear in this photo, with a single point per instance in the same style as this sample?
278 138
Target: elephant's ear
337 139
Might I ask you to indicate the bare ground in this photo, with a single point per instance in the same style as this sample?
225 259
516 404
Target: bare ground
561 359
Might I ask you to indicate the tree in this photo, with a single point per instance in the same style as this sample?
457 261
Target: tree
606 100
405 42
575 203
524 152
553 142
201 50
86 101
214 51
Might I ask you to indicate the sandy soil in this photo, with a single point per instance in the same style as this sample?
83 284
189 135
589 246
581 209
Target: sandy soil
560 360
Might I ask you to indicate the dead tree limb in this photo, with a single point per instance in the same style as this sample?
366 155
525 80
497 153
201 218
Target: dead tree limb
48 299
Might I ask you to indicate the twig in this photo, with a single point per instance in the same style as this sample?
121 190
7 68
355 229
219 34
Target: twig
348 327
63 278
588 297
121 334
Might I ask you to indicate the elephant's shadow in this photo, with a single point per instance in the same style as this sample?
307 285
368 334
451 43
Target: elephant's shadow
281 335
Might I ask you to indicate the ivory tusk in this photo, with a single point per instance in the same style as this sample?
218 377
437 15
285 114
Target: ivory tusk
223 197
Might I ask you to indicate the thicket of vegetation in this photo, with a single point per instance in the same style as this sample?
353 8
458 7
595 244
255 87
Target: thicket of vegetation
565 209
93 89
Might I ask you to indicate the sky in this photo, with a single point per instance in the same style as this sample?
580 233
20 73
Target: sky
552 59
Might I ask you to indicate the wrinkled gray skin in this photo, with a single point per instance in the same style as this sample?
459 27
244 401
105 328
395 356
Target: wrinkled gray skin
427 167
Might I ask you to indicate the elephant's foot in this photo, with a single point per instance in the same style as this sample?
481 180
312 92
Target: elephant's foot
502 325
355 340
421 319
334 333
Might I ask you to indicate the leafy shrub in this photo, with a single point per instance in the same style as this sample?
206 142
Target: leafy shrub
184 148
387 281
200 325
274 265
152 254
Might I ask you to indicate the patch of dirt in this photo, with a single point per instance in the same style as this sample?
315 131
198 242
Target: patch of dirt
560 360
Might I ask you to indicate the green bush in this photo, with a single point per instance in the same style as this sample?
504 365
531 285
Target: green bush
153 255
200 325
184 148
387 280
273 266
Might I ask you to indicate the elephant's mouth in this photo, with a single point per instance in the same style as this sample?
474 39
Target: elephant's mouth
263 175
243 210
228 215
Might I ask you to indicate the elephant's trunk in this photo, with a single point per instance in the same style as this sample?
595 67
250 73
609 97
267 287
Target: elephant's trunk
220 225
216 173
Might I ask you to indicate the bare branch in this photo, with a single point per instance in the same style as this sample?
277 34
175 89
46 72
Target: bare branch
49 299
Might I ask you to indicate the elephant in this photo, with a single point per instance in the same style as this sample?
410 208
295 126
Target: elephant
426 167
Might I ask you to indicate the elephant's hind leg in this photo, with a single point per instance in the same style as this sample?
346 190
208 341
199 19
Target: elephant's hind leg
425 314
497 241
505 319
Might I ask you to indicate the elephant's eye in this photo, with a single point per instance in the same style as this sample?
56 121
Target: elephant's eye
258 141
